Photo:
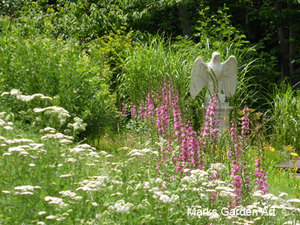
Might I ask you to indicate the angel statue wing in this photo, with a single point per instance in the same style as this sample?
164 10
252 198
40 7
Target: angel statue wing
228 80
199 77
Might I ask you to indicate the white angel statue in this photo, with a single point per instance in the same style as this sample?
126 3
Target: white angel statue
215 75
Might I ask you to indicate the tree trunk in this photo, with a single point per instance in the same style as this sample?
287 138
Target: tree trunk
185 21
292 47
283 43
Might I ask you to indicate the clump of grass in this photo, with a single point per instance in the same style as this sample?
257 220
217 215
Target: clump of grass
286 117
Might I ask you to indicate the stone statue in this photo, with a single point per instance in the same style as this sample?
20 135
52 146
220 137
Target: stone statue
217 76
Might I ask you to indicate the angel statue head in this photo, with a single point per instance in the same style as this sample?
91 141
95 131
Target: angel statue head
218 77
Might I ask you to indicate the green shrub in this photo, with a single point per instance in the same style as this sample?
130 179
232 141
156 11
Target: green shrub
62 69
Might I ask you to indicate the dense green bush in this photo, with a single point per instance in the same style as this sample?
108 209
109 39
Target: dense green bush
37 64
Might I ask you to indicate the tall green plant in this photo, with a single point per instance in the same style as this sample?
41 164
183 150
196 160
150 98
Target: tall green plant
37 64
286 117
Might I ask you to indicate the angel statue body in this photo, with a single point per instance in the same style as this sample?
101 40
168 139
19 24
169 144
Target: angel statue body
220 78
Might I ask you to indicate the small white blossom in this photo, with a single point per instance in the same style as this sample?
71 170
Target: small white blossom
121 207
94 204
282 194
294 200
72 160
41 223
54 200
51 217
42 213
65 175
214 216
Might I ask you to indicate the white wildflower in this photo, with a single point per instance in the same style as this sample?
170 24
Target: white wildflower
267 196
13 92
116 194
72 160
2 114
66 175
167 199
56 136
282 194
2 122
6 192
19 141
218 166
199 173
78 125
258 193
31 165
190 179
26 188
41 223
103 153
48 130
24 193
214 216
65 141
68 194
54 200
294 200
42 213
8 128
146 185
77 198
7 154
95 183
121 207
94 155
94 204
51 217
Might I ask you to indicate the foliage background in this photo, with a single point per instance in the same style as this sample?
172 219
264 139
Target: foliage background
108 52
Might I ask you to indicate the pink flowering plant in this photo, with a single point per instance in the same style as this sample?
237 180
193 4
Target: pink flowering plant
181 147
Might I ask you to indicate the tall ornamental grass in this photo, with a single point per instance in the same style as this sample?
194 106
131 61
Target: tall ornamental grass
148 63
286 117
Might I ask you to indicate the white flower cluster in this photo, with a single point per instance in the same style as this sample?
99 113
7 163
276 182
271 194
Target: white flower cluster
121 207
16 141
21 149
25 190
197 176
164 198
142 152
55 201
94 183
273 201
49 130
54 111
63 138
26 98
78 124
70 194
82 150
217 166
6 125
